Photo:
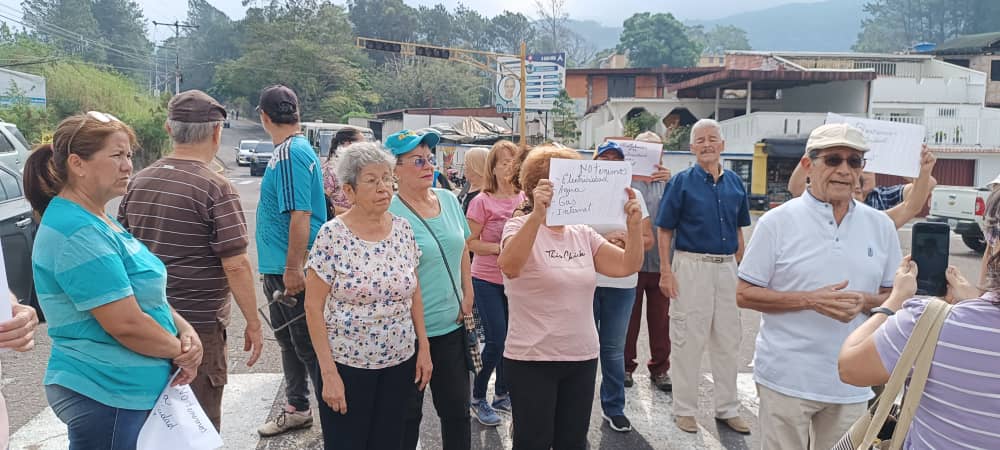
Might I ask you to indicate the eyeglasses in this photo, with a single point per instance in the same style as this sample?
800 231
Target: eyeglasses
854 162
96 115
419 162
374 182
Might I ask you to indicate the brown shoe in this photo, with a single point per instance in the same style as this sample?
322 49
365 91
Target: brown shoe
687 424
736 424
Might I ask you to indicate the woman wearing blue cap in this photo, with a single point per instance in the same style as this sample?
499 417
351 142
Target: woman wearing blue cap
441 230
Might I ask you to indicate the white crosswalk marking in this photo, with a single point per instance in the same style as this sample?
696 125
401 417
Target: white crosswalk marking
246 403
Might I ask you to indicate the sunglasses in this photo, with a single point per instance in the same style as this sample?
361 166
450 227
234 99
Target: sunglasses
854 162
96 115
420 162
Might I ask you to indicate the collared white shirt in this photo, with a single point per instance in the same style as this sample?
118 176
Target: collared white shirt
799 247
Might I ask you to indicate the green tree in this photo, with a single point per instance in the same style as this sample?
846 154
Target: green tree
386 19
652 40
315 56
893 25
423 82
564 119
122 26
719 39
508 30
215 40
66 24
436 26
642 122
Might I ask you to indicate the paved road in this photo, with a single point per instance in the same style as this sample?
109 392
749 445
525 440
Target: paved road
254 394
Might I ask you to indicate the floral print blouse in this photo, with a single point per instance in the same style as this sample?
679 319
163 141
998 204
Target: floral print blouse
372 284
331 185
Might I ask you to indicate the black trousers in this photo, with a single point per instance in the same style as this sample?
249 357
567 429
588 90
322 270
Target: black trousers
298 359
374 420
450 385
551 402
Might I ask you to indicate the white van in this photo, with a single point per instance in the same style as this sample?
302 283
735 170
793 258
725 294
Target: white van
14 148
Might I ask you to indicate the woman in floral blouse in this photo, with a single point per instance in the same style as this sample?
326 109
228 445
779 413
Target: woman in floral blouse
364 309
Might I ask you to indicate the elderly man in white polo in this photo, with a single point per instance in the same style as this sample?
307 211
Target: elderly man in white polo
815 266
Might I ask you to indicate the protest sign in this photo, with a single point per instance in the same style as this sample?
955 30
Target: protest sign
894 147
644 156
586 192
177 421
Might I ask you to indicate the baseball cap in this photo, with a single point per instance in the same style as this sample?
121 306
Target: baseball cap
405 141
195 106
649 136
836 135
278 100
609 146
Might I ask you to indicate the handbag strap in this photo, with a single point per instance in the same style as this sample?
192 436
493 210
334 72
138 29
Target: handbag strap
444 257
918 379
933 312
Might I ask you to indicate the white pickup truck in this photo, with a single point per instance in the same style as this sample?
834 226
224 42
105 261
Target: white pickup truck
962 209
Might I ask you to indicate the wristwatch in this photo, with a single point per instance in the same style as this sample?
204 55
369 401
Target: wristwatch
883 310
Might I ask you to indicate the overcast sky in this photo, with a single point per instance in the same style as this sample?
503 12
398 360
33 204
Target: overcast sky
604 11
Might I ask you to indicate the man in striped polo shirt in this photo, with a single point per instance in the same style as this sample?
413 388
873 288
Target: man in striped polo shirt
192 219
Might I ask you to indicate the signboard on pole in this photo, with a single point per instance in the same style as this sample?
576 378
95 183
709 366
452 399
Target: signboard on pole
546 77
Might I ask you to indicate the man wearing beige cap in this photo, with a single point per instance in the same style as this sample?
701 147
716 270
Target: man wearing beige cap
814 268
192 219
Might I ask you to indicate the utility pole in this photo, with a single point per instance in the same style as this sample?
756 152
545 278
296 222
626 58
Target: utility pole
177 49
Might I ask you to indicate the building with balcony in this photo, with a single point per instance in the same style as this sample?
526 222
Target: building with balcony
768 102
980 52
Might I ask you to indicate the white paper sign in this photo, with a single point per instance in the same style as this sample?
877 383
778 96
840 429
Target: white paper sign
6 313
177 421
894 147
644 156
586 192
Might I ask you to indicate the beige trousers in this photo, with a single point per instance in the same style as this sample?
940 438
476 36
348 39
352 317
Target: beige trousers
790 423
704 314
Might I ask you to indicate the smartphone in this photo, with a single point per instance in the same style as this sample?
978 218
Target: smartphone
929 249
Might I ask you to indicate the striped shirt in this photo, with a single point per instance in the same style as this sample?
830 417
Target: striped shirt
189 217
960 407
79 263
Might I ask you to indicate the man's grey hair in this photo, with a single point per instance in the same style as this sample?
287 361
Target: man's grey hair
191 132
706 123
355 157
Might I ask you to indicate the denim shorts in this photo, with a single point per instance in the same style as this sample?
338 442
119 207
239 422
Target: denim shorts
92 424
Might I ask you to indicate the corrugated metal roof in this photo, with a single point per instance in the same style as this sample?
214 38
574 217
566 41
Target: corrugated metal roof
969 43
771 79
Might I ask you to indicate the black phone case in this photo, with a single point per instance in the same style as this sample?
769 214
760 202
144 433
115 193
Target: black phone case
930 246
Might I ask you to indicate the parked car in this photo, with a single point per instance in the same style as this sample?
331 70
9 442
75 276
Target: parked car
962 208
245 151
261 155
17 235
14 148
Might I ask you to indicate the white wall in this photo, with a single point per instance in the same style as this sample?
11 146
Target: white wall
927 90
837 96
987 167
391 126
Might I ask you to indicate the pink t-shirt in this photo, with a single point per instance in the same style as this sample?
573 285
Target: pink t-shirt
492 213
551 304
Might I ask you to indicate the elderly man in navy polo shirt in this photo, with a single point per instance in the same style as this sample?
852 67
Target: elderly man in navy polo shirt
704 207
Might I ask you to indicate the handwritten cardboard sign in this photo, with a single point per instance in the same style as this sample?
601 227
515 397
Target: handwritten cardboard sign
894 147
644 156
587 192
177 421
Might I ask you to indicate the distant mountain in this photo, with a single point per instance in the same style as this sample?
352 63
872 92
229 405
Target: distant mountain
828 26
600 36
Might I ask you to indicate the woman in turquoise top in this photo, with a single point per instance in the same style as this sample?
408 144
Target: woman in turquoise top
445 284
114 337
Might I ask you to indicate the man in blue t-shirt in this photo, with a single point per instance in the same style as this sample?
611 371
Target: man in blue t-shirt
291 210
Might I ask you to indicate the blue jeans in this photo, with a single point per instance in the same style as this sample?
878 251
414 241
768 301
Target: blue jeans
492 304
612 311
92 424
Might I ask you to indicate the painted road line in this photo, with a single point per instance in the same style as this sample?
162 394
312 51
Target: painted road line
247 401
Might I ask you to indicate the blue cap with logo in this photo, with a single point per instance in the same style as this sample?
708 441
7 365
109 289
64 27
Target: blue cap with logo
609 146
405 141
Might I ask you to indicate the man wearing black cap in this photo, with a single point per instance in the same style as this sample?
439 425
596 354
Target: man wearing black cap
192 219
291 210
